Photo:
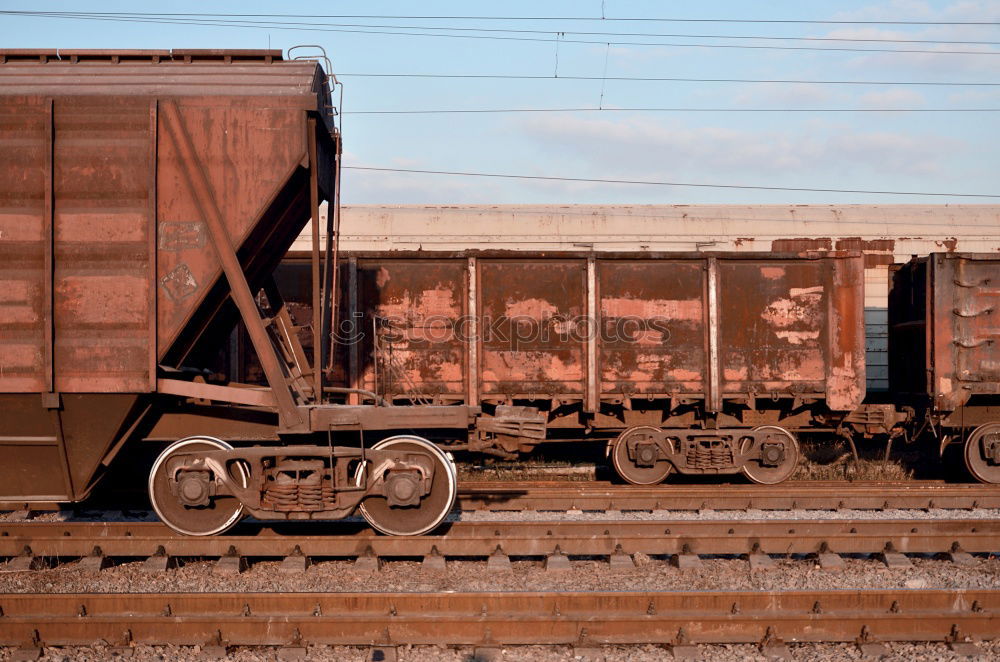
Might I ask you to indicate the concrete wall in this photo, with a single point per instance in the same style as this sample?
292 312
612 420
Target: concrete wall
885 233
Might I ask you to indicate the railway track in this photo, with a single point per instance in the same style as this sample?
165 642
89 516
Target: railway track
558 495
493 619
29 542
806 495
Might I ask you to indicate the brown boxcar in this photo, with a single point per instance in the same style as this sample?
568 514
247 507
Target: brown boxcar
944 350
145 199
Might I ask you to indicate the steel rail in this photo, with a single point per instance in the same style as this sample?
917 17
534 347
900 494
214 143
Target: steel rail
499 618
533 538
811 495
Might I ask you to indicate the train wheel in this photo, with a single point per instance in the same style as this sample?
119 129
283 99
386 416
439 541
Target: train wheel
433 507
221 513
785 450
652 471
976 454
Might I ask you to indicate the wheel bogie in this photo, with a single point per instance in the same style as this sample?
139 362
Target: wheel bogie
982 453
183 498
396 511
203 486
646 455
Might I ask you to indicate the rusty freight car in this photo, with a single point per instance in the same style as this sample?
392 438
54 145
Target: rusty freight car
145 198
689 362
944 352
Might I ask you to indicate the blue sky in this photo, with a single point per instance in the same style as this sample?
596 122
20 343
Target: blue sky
909 151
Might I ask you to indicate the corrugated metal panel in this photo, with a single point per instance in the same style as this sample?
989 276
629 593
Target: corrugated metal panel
25 142
966 334
528 310
418 307
103 183
652 326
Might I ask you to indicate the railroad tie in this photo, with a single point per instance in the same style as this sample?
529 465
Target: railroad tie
557 561
368 561
434 560
686 560
760 561
160 561
619 560
233 563
498 561
96 562
895 560
830 561
294 563
958 556
25 561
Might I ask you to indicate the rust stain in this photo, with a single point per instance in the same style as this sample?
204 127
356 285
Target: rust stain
538 309
950 244
859 244
872 261
176 236
179 283
801 245
670 309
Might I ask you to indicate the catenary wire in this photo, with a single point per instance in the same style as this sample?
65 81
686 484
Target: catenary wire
668 79
225 23
662 183
447 111
280 24
556 18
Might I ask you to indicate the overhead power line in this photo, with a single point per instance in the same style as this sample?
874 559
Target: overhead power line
442 111
557 38
661 183
661 79
554 18
553 32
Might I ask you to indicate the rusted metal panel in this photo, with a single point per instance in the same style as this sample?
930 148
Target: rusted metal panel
246 152
532 327
102 220
414 311
943 333
652 327
25 142
965 337
774 327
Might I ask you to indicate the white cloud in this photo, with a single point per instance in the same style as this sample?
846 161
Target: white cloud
792 95
641 147
896 97
917 10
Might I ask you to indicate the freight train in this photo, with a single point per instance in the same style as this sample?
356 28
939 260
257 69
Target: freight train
147 197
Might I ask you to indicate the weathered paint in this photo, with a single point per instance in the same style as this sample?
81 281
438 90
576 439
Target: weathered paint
128 180
780 331
945 333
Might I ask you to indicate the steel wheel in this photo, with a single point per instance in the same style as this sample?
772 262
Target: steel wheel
771 475
433 508
221 513
975 461
627 468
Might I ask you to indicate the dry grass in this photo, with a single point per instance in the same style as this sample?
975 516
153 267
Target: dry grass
833 461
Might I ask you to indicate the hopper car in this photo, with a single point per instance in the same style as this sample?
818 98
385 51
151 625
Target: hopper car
146 200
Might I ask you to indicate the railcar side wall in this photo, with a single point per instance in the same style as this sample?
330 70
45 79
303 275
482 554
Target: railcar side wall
944 335
585 329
